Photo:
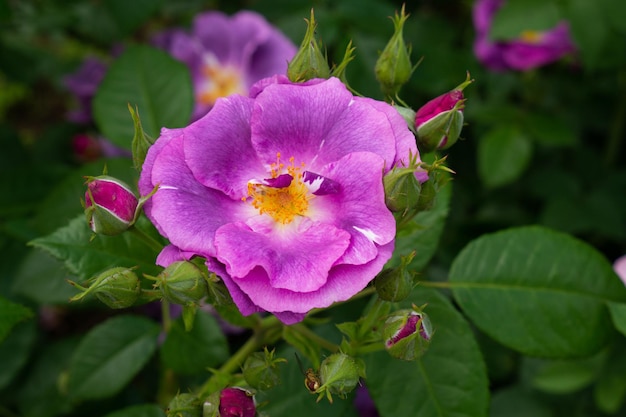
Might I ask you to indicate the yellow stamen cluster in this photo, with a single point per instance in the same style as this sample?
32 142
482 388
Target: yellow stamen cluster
220 82
531 36
282 204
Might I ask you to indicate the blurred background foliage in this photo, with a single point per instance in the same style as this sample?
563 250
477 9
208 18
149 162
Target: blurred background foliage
543 146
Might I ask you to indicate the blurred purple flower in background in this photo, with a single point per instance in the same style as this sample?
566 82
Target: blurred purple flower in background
529 50
83 84
227 55
364 404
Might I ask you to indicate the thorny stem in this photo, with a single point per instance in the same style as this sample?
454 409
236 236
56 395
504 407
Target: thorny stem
263 335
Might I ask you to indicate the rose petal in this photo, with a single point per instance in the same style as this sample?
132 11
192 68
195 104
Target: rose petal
317 124
218 148
343 282
296 256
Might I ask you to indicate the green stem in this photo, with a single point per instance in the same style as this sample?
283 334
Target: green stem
166 317
370 319
311 335
373 347
148 240
263 336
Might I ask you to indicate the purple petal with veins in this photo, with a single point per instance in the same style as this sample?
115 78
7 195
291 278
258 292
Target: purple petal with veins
320 185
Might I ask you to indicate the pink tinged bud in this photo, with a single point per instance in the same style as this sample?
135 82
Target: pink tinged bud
236 402
407 334
439 122
110 205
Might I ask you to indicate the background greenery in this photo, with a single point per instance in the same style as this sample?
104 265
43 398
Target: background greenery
541 148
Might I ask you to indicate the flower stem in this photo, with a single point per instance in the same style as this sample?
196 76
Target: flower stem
148 240
166 317
263 335
431 284
314 337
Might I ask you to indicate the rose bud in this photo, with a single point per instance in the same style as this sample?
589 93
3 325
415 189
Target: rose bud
393 68
110 205
339 374
117 288
260 370
402 188
407 334
395 284
184 405
182 283
438 123
309 61
236 402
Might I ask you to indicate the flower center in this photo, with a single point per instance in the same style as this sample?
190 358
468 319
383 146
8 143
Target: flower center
218 81
285 196
531 36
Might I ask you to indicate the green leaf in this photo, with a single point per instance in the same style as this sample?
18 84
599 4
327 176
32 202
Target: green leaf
563 377
618 314
550 131
449 380
42 279
518 16
610 391
503 155
128 18
537 291
517 402
85 257
153 81
143 410
11 314
40 395
110 355
194 351
15 351
422 234
614 11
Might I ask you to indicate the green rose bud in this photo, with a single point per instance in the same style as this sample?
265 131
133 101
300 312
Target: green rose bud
403 189
184 405
182 283
260 370
407 334
117 288
395 284
339 374
309 62
393 68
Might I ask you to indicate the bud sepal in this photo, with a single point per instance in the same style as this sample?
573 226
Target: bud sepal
309 62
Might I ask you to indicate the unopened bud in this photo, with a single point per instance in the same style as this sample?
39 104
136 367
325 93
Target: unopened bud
403 188
182 283
260 370
339 374
236 402
309 61
407 334
110 205
439 122
393 68
395 284
117 288
184 405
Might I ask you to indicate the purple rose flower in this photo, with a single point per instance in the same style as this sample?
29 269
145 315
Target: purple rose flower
530 50
227 55
281 192
83 85
364 404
